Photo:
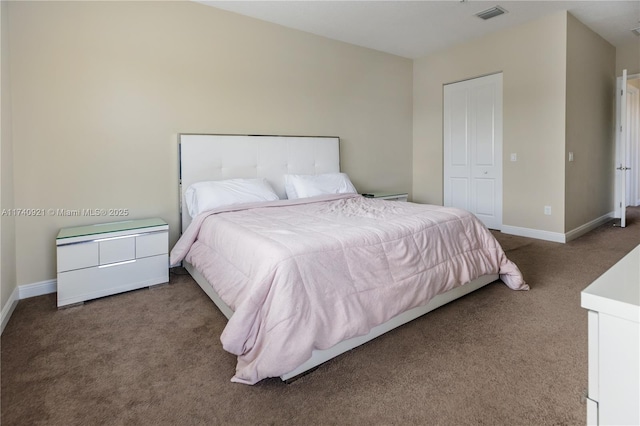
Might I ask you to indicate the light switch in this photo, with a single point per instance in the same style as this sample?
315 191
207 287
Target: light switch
570 156
514 156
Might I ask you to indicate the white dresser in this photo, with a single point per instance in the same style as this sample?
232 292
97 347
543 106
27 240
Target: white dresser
613 301
104 259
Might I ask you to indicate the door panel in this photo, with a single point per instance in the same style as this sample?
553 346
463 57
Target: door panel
460 193
485 188
458 129
484 123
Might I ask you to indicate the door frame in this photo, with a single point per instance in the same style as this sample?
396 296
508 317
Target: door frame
633 141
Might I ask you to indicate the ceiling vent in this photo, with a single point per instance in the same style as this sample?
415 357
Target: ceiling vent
636 31
491 13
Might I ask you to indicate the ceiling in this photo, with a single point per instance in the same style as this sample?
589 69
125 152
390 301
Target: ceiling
417 28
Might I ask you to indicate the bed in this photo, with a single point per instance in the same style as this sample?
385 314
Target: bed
304 280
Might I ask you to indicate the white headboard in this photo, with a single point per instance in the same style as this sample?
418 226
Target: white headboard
218 157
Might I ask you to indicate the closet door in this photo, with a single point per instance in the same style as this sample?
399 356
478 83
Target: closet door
473 147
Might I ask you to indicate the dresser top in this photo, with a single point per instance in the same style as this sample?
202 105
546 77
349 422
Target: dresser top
617 291
385 194
104 228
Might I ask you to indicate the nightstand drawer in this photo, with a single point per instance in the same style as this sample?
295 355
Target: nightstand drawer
77 256
152 244
117 250
90 283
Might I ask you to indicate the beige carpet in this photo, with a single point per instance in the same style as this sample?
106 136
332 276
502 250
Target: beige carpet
153 357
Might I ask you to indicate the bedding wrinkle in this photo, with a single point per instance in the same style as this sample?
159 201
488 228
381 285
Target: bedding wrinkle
307 275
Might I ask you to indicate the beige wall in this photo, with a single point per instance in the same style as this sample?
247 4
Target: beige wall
628 56
591 85
101 90
7 222
532 58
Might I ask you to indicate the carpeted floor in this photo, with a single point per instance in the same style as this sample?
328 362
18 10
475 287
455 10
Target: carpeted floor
153 357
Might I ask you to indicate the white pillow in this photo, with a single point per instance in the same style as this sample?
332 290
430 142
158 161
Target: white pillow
203 196
303 186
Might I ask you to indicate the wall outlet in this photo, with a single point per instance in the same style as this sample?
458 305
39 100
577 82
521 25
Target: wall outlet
547 210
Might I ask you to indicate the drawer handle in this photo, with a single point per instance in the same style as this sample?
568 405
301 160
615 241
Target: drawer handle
116 238
116 264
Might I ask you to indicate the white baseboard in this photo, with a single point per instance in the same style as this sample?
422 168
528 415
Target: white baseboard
8 308
26 291
557 237
38 289
589 226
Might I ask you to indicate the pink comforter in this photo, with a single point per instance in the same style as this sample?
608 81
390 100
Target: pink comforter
306 274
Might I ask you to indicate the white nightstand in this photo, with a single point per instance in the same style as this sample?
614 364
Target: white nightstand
104 259
392 196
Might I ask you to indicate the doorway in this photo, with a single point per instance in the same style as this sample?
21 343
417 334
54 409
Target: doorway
633 119
473 147
627 173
